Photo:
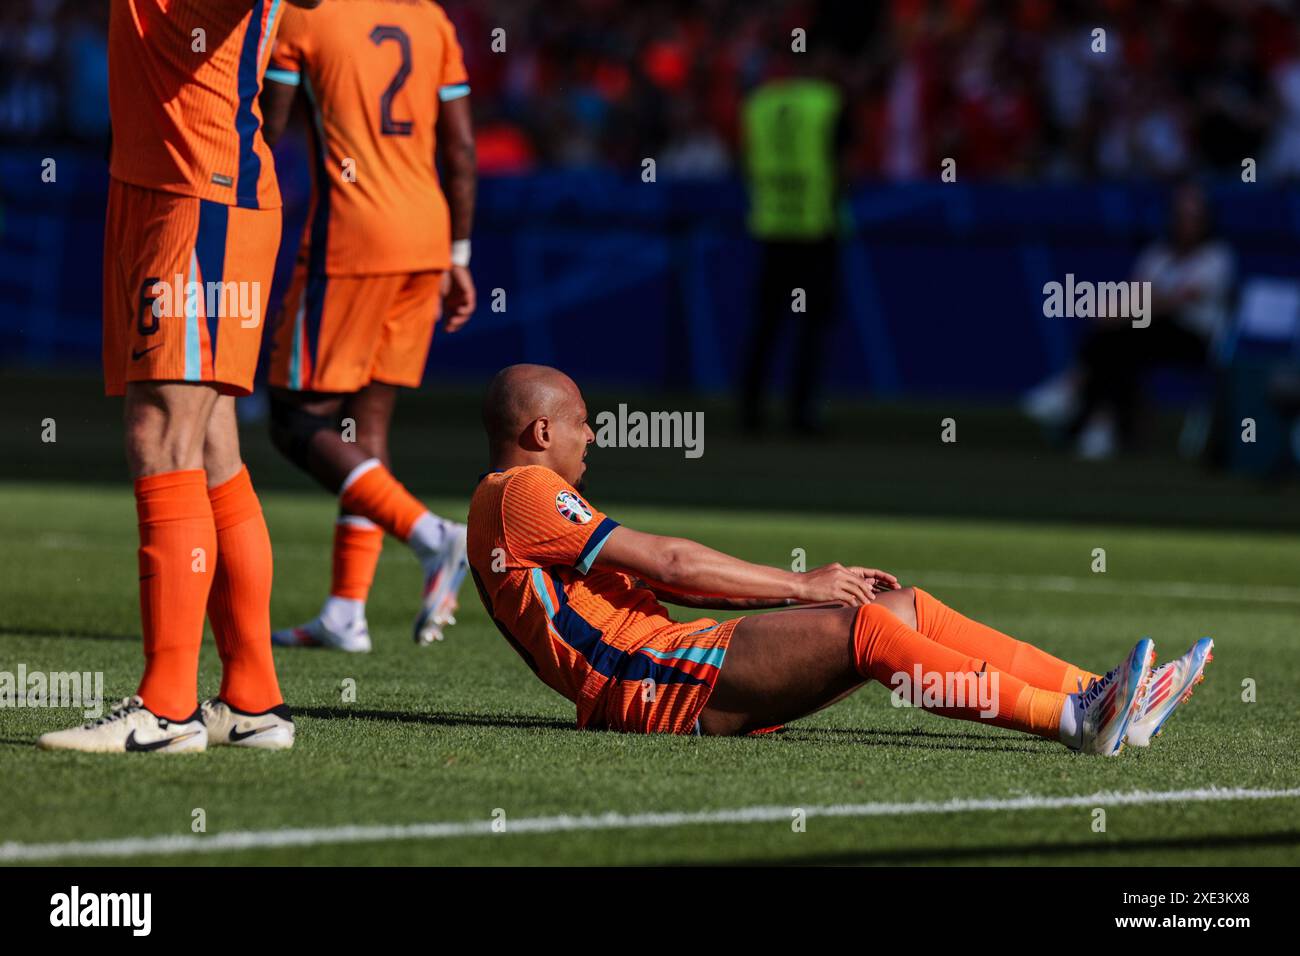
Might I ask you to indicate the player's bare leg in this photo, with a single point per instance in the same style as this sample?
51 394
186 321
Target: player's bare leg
306 429
787 664
221 456
781 666
166 425
372 409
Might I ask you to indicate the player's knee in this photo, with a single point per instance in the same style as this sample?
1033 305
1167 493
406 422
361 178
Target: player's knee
293 428
901 603
160 439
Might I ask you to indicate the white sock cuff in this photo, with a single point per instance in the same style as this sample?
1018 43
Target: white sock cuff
426 530
368 465
356 521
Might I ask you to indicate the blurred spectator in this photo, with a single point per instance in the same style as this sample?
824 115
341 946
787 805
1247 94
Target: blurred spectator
1191 273
794 136
1282 156
1010 88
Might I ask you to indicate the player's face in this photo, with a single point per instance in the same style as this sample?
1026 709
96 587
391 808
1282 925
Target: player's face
572 437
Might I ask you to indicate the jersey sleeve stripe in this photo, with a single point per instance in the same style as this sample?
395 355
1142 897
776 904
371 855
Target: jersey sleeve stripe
286 77
453 92
594 544
539 585
268 30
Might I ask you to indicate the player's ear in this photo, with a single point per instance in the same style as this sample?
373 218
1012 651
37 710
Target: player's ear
539 433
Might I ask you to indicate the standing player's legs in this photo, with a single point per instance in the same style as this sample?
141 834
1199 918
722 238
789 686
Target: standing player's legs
184 283
787 664
357 361
358 541
249 709
166 423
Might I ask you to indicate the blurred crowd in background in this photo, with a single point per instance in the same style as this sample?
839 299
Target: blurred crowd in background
1011 89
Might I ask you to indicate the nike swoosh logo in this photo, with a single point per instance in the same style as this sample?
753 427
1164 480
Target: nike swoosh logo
134 745
236 735
136 355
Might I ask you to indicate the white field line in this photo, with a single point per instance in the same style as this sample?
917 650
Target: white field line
1101 585
321 836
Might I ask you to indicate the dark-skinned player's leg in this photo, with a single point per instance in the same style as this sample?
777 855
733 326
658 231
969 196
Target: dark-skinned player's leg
786 664
306 428
342 441
372 410
436 541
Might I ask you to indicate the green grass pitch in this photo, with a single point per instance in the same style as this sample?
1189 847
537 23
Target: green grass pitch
454 732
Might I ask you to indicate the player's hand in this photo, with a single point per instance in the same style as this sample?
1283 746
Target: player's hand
835 582
458 298
880 580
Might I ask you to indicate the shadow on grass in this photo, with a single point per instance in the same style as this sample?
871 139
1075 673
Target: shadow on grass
75 633
513 721
921 739
997 851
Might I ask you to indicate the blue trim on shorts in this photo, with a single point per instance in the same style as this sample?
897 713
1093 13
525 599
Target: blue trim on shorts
210 248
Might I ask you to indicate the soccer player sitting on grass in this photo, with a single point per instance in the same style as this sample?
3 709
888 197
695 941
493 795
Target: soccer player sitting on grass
577 596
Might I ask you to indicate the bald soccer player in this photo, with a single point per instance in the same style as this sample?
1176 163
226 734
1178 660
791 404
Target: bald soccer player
578 596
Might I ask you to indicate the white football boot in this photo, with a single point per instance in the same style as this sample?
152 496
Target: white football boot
131 727
1108 704
441 584
1171 684
1054 402
270 730
354 636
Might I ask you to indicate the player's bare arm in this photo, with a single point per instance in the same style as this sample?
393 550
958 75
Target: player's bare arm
709 602
460 183
686 567
277 104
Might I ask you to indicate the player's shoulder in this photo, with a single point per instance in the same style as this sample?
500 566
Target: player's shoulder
521 480
532 487
525 479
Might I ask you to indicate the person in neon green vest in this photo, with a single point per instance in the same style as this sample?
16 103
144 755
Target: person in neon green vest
794 134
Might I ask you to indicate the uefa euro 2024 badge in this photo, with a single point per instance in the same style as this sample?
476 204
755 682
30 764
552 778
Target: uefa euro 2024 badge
572 507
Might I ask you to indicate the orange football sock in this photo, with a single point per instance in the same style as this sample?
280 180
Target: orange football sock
357 545
372 492
178 552
240 604
948 682
1032 665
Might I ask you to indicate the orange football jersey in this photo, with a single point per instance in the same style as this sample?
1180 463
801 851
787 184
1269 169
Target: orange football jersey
374 72
184 78
588 632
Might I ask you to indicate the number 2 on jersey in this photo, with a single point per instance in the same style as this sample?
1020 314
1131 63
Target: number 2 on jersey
387 125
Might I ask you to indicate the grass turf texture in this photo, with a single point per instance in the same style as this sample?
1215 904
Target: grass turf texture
454 731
